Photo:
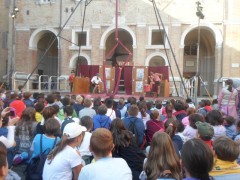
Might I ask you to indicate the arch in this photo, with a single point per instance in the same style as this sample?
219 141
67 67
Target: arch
36 36
156 54
208 26
73 60
112 29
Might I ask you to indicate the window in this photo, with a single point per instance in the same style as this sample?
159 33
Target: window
5 40
190 50
81 38
158 37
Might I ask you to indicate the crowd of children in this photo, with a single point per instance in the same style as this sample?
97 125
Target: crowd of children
91 138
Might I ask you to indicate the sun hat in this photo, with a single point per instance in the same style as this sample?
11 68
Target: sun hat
73 130
205 130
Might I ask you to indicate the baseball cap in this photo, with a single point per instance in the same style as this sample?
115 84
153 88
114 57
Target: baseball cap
205 130
73 130
98 74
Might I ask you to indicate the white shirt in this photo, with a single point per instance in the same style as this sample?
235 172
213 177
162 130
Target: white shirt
84 148
144 119
61 166
111 113
9 141
106 168
96 80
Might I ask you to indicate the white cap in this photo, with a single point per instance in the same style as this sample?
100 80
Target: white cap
73 130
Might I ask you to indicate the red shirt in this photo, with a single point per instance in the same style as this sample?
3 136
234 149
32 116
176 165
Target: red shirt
208 143
71 78
152 127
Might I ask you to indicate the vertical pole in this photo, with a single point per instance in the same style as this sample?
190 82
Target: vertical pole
11 85
197 63
116 33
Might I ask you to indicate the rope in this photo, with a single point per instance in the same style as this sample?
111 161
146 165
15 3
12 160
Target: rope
118 42
170 67
174 57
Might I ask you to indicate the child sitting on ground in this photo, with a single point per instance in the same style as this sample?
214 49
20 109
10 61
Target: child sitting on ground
101 145
191 129
27 99
230 127
87 122
205 132
226 153
201 110
215 119
215 104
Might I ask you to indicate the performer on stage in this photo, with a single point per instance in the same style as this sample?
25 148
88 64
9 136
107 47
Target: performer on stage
95 82
155 78
71 79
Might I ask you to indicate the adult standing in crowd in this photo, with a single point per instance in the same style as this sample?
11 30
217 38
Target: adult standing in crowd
228 100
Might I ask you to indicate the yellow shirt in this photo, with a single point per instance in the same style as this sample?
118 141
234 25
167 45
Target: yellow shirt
221 167
38 117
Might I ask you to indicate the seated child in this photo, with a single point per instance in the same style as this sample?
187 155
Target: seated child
197 160
180 129
27 99
87 122
226 153
105 167
191 129
215 119
39 110
230 127
205 132
215 104
201 110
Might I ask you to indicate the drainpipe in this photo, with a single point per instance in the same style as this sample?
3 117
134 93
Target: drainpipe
221 68
59 45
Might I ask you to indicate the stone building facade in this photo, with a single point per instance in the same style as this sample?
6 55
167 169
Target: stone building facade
40 21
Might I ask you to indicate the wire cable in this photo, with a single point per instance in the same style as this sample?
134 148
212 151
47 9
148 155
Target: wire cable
170 67
47 50
174 57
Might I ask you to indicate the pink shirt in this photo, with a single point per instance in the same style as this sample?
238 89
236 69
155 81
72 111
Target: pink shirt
155 77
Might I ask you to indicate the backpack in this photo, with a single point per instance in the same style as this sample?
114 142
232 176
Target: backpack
35 167
133 128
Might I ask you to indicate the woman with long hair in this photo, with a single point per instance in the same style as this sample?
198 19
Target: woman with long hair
168 114
162 161
170 127
228 100
26 129
64 161
126 148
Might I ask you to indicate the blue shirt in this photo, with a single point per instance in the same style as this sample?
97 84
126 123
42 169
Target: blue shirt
139 125
47 142
101 121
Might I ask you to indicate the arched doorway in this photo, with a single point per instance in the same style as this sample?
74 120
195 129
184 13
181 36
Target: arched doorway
49 64
206 58
157 61
121 54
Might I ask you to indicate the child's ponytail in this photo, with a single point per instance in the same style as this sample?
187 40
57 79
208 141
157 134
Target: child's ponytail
170 127
59 147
